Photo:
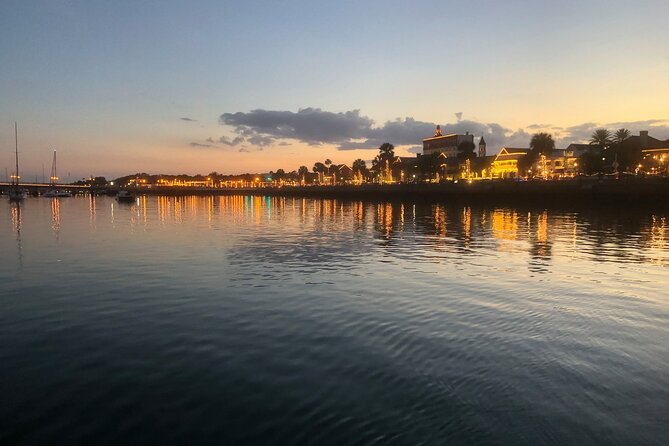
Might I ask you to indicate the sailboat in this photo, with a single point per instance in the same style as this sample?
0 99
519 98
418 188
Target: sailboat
15 192
54 178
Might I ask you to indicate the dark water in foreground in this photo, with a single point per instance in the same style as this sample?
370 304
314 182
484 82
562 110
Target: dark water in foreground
241 320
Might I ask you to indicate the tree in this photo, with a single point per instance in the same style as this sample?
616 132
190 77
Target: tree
428 165
542 144
624 152
381 162
466 151
386 152
328 164
320 168
360 166
302 171
601 138
591 163
621 135
279 175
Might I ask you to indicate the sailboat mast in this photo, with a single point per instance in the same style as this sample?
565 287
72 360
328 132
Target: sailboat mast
16 148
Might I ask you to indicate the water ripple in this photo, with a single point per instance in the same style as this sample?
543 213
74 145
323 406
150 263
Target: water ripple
258 320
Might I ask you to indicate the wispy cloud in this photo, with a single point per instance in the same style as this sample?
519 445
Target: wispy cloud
188 119
197 144
228 142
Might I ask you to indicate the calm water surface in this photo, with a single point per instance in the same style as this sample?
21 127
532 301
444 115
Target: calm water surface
252 320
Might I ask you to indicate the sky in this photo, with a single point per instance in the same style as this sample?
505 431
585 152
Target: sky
252 86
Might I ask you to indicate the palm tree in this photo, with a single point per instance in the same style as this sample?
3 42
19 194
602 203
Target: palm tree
601 138
320 168
387 152
302 173
428 165
360 168
621 135
385 157
359 165
542 144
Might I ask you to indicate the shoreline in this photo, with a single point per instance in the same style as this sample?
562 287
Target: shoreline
580 191
628 191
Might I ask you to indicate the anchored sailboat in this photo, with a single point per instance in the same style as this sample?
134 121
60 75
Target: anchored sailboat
15 192
54 180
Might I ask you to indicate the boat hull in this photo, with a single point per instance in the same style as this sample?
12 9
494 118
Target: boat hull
17 195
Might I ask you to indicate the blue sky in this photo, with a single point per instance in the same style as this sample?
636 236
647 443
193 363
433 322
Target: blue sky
107 83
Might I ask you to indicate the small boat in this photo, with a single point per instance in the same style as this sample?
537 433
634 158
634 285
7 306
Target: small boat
15 192
125 196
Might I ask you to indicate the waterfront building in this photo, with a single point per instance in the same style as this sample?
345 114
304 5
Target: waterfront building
646 142
651 153
446 144
343 173
577 150
335 174
479 168
505 164
405 168
560 164
659 154
656 161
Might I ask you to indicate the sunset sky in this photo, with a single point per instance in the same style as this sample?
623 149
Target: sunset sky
119 87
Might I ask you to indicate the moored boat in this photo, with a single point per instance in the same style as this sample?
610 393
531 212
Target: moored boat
55 193
125 196
15 192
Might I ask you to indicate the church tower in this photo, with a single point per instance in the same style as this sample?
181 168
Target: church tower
482 147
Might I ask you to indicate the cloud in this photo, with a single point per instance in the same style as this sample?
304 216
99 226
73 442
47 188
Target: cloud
310 125
210 140
236 141
347 130
197 144
658 128
188 119
260 140
351 130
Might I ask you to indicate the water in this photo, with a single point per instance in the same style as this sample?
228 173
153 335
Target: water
253 320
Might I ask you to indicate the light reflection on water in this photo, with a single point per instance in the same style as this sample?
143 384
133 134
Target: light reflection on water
274 320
